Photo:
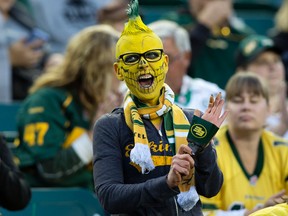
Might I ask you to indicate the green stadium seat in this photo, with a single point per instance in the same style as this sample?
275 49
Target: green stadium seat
8 128
8 113
60 202
152 13
258 4
258 14
160 2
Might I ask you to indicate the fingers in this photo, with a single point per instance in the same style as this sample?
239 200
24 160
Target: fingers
218 105
276 198
214 12
214 110
217 101
184 149
33 57
53 60
197 112
35 44
182 161
215 106
181 166
279 200
218 111
279 194
222 118
174 178
211 103
23 55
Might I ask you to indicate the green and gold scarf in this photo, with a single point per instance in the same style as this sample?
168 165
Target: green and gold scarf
176 126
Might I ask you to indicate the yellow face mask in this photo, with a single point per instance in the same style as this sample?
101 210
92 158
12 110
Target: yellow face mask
142 65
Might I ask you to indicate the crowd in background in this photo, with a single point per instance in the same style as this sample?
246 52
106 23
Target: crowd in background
56 60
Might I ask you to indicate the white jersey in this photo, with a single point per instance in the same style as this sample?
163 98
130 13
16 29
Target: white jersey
195 93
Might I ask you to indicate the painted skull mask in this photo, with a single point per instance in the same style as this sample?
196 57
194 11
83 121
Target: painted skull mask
142 64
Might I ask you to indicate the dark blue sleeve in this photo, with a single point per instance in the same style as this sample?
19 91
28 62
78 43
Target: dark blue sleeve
113 193
15 193
208 176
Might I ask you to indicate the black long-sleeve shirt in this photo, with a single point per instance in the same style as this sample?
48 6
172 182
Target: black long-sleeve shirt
123 189
15 193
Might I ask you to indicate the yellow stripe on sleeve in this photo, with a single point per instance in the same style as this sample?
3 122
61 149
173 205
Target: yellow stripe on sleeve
75 134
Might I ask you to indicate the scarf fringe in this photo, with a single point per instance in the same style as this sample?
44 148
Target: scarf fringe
176 127
187 200
141 156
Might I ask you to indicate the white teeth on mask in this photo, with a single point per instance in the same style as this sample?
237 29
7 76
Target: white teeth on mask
146 86
145 80
145 76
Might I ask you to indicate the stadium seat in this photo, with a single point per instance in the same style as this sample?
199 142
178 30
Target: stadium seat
161 2
258 14
272 4
60 202
8 112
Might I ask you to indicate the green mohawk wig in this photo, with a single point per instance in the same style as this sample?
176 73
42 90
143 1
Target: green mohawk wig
135 24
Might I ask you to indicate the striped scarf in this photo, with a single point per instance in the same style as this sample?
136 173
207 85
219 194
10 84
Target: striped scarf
176 126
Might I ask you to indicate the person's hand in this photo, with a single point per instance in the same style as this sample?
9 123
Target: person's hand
278 95
273 200
278 104
25 55
113 100
181 165
215 13
54 60
213 112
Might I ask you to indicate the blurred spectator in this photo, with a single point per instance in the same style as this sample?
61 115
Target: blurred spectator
189 92
215 33
253 160
5 81
280 34
62 19
55 121
259 55
114 14
15 193
27 53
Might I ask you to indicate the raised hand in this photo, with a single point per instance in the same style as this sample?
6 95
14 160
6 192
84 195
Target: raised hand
214 110
25 55
215 13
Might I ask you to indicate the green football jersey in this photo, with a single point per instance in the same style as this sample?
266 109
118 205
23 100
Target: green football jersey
48 122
